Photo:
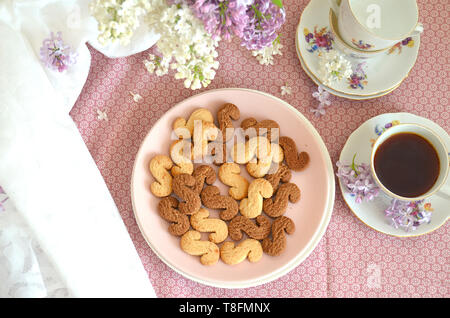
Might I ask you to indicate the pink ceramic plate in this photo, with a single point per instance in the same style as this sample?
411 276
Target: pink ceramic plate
311 214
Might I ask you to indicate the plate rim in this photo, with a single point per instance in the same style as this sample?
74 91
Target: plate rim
310 246
343 191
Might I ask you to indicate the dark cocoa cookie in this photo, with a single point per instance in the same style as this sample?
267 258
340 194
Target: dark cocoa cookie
277 244
283 174
212 199
203 174
295 160
183 186
167 209
257 231
225 115
277 207
266 127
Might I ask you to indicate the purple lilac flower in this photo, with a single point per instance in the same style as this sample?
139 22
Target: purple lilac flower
222 18
265 19
358 180
408 215
55 54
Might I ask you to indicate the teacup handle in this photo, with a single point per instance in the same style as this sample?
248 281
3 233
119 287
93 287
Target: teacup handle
444 192
418 30
335 5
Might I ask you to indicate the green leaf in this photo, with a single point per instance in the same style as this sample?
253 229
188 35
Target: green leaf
278 3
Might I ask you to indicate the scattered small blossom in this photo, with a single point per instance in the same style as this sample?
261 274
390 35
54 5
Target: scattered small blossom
265 55
102 115
358 180
333 67
136 97
319 111
55 54
408 215
323 97
286 90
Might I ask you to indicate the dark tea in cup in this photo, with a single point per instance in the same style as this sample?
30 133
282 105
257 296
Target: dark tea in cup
407 164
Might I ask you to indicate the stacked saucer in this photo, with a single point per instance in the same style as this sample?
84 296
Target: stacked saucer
376 72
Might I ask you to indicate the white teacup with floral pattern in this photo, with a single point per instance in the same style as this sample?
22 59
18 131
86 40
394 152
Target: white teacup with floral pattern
373 25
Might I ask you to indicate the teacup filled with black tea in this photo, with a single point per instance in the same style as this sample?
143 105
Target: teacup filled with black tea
409 162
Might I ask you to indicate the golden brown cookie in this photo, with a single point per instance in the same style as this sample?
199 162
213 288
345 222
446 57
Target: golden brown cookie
295 160
203 174
212 199
255 147
263 165
277 207
202 223
190 243
277 244
229 174
200 114
257 231
167 209
159 166
183 185
225 116
204 132
251 206
282 174
181 154
249 248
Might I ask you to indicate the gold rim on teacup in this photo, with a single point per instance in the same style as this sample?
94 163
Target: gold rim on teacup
439 146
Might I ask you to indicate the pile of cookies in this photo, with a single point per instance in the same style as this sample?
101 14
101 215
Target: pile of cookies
185 184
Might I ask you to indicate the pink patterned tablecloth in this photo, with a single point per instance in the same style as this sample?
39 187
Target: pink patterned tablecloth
351 260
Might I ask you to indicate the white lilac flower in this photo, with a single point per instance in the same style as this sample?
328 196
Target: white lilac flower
136 97
184 45
102 115
118 19
286 90
333 67
265 55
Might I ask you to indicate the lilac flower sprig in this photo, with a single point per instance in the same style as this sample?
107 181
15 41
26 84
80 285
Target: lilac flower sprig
222 18
408 215
265 19
55 54
358 180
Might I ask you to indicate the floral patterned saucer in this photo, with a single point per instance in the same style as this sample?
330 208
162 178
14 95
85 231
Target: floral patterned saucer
372 213
368 78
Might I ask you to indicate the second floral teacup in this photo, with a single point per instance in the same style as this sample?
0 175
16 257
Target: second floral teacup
373 25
